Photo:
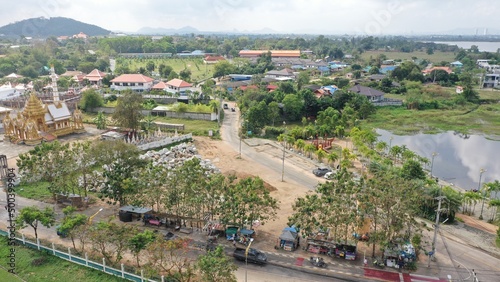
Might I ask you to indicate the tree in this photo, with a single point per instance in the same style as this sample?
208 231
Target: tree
170 257
110 239
100 120
165 70
150 66
140 242
273 111
303 79
128 110
71 222
246 201
215 266
91 100
223 68
32 216
293 107
185 74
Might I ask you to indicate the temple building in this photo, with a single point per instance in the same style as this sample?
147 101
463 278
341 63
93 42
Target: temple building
39 122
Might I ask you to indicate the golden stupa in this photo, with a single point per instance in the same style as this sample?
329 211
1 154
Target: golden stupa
39 121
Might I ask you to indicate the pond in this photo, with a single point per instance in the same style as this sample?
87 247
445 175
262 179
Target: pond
459 158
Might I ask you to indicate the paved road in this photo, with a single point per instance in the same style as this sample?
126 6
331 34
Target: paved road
297 168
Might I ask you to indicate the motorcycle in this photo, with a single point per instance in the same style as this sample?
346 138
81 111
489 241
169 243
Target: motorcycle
378 263
317 261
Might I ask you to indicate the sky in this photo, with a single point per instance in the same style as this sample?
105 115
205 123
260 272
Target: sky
362 17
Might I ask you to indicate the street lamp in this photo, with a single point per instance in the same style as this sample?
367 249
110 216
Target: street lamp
432 161
92 216
390 143
283 166
481 171
246 257
436 227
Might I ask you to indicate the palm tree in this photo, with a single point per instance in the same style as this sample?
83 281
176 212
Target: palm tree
321 154
381 146
494 203
332 158
309 148
395 151
289 141
490 188
299 145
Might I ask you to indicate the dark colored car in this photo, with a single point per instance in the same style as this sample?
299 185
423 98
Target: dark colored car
321 171
253 256
225 106
170 236
233 110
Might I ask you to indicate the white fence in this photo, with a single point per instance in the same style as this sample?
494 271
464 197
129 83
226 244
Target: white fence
164 142
83 261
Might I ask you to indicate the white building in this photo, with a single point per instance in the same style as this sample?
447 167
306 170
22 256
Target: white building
135 82
179 87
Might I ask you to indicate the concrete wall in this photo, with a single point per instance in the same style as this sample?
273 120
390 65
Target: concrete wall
171 114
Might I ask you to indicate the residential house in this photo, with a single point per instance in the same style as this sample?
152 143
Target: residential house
482 63
160 86
80 35
491 80
377 77
456 64
372 94
95 77
284 74
179 87
429 70
271 87
386 69
324 71
135 82
209 60
459 89
240 77
324 91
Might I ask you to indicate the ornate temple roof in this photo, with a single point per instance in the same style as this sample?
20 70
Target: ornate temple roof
33 107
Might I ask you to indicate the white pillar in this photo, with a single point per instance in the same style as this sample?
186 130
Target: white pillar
123 271
24 238
69 253
86 259
53 249
104 264
38 243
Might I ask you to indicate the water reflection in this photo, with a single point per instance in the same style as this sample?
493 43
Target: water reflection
460 157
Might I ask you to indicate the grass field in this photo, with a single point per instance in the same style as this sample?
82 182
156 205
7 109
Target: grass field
437 57
6 276
37 191
484 119
32 265
199 70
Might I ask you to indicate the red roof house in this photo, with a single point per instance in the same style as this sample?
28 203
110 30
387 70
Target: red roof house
136 82
213 59
95 76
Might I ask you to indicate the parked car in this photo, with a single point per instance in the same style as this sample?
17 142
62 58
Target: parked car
329 175
170 236
321 171
225 106
233 110
253 256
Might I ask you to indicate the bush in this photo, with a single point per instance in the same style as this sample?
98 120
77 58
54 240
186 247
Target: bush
274 132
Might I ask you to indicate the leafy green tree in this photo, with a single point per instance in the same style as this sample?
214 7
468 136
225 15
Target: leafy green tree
91 100
293 107
32 216
215 266
246 201
140 242
185 74
170 257
165 70
273 111
128 110
172 75
303 79
71 222
223 68
412 169
111 240
100 120
150 66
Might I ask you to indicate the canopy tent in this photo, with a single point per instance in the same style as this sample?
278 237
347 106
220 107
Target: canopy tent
289 239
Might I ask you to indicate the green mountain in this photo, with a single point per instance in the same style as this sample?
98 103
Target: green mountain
45 27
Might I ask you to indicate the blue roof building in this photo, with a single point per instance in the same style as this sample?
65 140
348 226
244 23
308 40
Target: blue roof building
386 69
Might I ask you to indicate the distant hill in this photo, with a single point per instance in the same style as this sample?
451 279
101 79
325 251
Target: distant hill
45 27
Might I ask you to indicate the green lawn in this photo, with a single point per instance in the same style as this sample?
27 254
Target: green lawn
197 127
6 276
37 191
437 57
199 70
32 265
399 120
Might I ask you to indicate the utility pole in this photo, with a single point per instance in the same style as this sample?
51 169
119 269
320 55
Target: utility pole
283 167
481 171
432 161
436 227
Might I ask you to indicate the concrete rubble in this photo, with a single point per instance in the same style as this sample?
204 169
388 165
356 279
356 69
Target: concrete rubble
177 155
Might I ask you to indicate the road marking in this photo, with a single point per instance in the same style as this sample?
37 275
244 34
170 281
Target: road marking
401 278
